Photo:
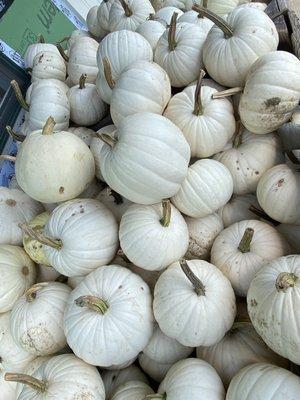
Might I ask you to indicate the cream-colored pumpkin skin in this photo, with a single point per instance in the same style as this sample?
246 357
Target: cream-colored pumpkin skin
164 14
157 371
140 11
33 49
220 7
193 18
75 35
237 209
83 133
44 83
48 65
151 30
93 23
132 390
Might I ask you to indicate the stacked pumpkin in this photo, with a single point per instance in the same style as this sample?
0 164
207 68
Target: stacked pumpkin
135 247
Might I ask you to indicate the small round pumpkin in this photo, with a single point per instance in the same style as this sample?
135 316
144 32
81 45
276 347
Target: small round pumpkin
151 30
129 14
35 48
48 65
93 24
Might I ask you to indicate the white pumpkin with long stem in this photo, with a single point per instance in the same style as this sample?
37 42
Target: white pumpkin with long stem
129 14
148 159
195 201
277 194
207 124
54 166
86 106
151 30
265 381
292 235
48 65
35 48
62 377
273 299
116 203
238 209
93 23
142 86
179 52
164 14
220 7
99 304
237 36
15 208
36 320
132 390
202 233
17 274
204 290
157 371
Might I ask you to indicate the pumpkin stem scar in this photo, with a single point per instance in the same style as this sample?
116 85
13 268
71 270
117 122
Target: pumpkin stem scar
246 240
227 93
16 88
62 52
285 280
36 384
30 295
166 218
107 73
93 303
198 106
172 32
49 126
14 135
220 22
82 80
126 8
36 234
198 285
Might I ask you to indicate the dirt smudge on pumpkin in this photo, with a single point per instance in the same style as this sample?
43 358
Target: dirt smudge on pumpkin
272 102
253 303
25 270
61 190
280 182
39 339
11 202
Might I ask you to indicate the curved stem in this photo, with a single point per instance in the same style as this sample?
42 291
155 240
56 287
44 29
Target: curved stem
198 107
204 5
36 234
156 396
107 139
40 38
172 32
227 30
246 240
6 157
285 280
237 141
198 285
16 88
262 214
93 303
64 39
165 221
227 93
118 199
107 73
82 80
49 126
126 8
36 384
62 52
30 295
14 135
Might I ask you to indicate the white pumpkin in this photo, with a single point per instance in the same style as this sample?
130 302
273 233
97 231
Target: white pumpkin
195 202
98 304
44 83
46 274
248 157
129 14
116 51
164 14
206 123
17 274
48 65
36 320
148 159
142 87
116 203
273 299
191 379
292 235
151 30
260 6
220 7
204 290
75 35
132 390
62 377
241 346
264 381
93 23
238 209
86 106
103 14
83 133
195 18
277 194
157 371
82 60
158 4
247 33
162 235
35 48
15 208
179 52
54 166
202 233
271 93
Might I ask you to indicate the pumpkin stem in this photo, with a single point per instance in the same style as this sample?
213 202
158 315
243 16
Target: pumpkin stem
36 384
263 215
198 285
107 139
246 240
64 39
6 157
40 38
36 234
118 199
279 13
82 80
237 141
107 73
62 52
285 280
126 8
165 220
293 159
156 396
30 295
121 254
93 303
204 5
220 22
172 32
14 135
49 126
16 88
198 107
227 93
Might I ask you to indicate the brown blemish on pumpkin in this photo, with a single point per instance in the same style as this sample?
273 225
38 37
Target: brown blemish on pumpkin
11 202
120 287
40 58
142 288
273 102
25 270
257 172
253 303
61 190
280 182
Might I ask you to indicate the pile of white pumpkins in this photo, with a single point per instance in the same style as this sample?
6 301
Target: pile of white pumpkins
155 258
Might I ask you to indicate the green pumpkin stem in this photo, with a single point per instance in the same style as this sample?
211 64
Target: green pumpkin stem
107 73
198 285
36 384
246 240
16 88
198 107
37 234
126 8
220 22
165 220
93 303
204 5
285 280
172 32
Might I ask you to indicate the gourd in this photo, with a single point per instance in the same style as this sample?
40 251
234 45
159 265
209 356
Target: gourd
44 83
292 235
82 60
245 384
80 236
243 248
129 14
247 33
238 209
206 123
143 86
164 14
15 208
36 320
220 7
193 379
83 133
151 30
93 23
86 106
157 371
202 233
98 304
116 203
103 14
49 380
48 65
248 156
34 48
132 390
17 273
273 299
161 231
183 317
195 202
148 159
241 346
54 166
271 93
274 188
179 51
117 51
195 18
